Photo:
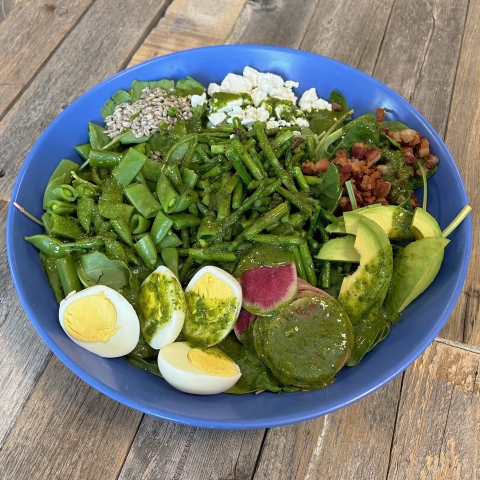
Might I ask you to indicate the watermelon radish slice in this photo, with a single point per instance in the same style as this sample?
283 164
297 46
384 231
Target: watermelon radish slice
304 286
243 321
267 288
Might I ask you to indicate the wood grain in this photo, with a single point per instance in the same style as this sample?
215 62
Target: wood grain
64 411
273 22
188 24
421 64
334 447
350 31
24 355
463 137
73 70
437 434
59 82
172 451
28 37
6 7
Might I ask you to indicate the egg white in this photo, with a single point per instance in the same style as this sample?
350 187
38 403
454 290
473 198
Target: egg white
194 326
169 332
124 340
177 370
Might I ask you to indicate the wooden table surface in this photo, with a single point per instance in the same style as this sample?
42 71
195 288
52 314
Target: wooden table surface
422 425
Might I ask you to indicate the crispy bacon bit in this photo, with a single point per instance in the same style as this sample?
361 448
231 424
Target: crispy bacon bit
310 168
408 135
430 161
381 114
424 148
382 188
373 156
408 155
414 201
416 140
359 150
336 106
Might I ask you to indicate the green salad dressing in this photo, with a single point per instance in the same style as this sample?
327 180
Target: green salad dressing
160 295
397 174
208 320
220 100
305 343
264 255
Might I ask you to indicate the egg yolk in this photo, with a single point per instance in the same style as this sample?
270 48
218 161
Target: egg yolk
211 364
91 319
212 287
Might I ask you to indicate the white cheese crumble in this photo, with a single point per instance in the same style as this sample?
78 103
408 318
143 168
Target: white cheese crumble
199 100
261 87
310 100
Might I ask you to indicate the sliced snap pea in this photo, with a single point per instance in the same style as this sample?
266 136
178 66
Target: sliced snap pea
143 200
64 227
146 251
139 224
68 275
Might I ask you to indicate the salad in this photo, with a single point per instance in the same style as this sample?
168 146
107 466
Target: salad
237 238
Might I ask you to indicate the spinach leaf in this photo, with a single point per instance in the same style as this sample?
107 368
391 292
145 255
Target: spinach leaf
329 192
321 120
138 86
337 97
122 96
363 129
98 269
255 374
368 332
151 367
417 180
159 142
98 139
394 126
188 86
108 108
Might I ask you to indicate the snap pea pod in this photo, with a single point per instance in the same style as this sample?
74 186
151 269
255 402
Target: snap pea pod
166 194
143 200
61 208
66 193
129 167
48 264
85 207
62 175
146 251
170 258
139 224
115 251
104 159
68 275
64 227
122 229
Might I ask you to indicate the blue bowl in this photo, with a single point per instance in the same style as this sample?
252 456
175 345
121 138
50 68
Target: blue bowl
422 320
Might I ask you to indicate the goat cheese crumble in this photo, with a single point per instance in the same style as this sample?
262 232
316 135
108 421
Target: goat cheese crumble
265 97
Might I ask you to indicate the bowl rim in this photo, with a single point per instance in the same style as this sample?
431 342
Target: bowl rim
188 419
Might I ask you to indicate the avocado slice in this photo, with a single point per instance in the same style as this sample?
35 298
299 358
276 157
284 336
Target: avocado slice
414 269
368 285
394 220
339 249
424 225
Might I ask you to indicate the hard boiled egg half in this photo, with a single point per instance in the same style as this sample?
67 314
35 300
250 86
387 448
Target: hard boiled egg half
203 371
161 304
101 321
214 299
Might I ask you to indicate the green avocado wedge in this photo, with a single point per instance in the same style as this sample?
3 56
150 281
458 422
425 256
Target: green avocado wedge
394 220
424 225
339 249
368 285
414 269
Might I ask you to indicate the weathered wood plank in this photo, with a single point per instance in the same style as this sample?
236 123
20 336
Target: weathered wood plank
59 82
437 433
188 24
421 66
462 137
73 70
168 450
350 32
273 22
68 430
24 355
28 37
337 445
6 7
